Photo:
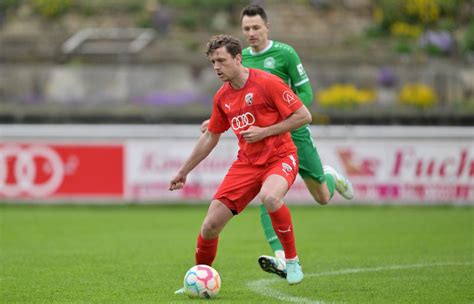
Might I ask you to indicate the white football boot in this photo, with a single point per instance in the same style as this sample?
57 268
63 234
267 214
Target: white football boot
273 265
294 272
343 185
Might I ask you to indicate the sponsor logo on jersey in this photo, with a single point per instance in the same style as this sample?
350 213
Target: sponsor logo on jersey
269 63
249 98
242 121
286 168
301 70
289 97
227 106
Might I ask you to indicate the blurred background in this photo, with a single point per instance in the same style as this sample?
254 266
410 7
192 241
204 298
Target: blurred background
393 83
141 61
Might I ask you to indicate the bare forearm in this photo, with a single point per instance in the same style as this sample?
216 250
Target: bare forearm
203 147
294 121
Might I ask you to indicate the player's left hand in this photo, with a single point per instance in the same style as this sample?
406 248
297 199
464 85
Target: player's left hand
177 182
253 134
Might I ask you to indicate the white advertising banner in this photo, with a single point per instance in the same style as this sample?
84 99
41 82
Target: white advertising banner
386 164
408 171
150 165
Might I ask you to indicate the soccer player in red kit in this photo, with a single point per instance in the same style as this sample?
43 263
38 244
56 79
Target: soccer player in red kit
261 110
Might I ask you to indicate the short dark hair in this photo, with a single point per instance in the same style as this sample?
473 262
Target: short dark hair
232 44
254 10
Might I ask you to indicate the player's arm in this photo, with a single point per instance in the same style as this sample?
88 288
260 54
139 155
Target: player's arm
204 125
297 119
203 147
299 78
305 93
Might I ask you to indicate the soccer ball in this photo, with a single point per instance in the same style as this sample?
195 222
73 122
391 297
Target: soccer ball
202 281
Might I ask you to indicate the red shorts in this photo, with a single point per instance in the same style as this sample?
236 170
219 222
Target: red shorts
243 181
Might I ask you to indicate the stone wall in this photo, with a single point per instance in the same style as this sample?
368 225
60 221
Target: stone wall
176 84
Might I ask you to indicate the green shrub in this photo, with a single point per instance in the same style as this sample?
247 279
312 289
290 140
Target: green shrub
205 4
9 4
190 20
403 47
97 7
468 39
446 24
143 20
51 8
388 12
449 7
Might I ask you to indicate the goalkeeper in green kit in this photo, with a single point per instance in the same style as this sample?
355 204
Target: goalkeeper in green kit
281 60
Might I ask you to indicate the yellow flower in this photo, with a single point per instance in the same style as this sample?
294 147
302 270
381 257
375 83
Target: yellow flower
425 10
344 95
418 95
403 29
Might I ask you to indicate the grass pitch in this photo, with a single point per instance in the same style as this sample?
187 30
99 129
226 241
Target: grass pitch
139 254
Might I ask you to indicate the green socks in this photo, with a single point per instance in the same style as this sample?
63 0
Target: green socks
270 234
330 183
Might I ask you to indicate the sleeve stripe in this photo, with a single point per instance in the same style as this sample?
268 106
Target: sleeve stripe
301 82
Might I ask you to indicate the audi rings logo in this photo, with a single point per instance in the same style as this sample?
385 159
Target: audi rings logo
242 121
34 171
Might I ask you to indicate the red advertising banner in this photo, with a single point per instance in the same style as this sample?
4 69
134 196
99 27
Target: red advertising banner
36 170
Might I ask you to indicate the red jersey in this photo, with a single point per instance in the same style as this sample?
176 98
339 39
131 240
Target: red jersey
264 100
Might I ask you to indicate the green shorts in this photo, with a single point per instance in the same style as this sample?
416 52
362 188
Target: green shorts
310 163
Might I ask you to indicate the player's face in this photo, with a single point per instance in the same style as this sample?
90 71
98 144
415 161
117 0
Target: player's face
255 30
225 66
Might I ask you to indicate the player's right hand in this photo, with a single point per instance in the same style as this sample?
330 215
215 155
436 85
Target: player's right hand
177 182
204 125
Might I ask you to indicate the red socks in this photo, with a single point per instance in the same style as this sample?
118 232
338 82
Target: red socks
206 250
281 222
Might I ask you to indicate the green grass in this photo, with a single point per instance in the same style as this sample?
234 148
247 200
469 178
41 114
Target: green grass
139 254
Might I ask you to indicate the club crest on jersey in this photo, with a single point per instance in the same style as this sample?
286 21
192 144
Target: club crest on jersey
269 63
249 98
289 97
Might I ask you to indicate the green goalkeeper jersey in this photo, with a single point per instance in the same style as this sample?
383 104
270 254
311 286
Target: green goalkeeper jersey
281 60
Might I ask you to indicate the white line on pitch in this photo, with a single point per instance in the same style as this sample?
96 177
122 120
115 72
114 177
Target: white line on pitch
263 288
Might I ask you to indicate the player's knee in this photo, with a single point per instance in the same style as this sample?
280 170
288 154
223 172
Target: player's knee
269 200
323 199
210 229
